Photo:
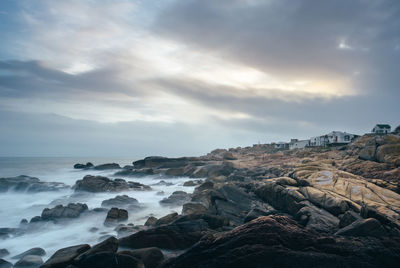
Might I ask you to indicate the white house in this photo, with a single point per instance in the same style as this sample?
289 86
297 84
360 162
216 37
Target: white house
281 145
298 144
381 129
333 138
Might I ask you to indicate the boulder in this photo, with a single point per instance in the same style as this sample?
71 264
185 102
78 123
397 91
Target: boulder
348 218
368 153
363 227
229 156
115 215
121 201
29 261
193 208
177 198
107 166
192 183
72 210
96 184
110 259
108 245
151 221
167 219
29 184
5 264
278 241
65 256
83 166
173 236
32 251
151 257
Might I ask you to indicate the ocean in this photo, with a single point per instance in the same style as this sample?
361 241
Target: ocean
15 206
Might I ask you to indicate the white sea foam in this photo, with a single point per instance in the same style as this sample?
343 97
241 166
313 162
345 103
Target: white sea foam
16 206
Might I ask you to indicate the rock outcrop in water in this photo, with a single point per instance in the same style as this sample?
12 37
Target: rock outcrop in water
29 184
96 184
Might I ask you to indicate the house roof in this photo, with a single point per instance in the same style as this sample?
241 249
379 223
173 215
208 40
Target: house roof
383 125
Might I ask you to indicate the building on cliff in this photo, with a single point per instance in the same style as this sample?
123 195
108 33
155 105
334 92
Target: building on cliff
333 138
381 129
298 144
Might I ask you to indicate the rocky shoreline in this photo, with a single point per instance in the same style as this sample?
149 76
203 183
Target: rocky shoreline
255 206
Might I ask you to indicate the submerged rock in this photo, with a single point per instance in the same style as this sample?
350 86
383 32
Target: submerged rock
29 261
4 252
32 251
5 264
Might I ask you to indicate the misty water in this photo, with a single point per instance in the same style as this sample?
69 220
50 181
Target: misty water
15 206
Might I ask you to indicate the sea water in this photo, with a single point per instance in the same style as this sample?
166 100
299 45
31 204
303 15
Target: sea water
16 206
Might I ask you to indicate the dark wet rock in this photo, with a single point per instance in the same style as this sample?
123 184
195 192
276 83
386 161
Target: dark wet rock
23 223
96 184
258 212
29 261
163 162
190 183
163 183
193 208
107 166
177 198
65 256
4 252
108 245
72 210
175 171
363 227
8 232
151 221
35 219
205 186
174 236
5 264
115 215
29 184
32 251
213 221
83 166
167 219
277 241
151 257
135 172
121 201
123 230
214 171
348 218
93 229
110 259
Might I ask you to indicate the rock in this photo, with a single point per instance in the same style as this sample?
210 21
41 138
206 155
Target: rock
193 208
277 241
107 166
177 198
29 184
174 236
121 201
229 156
151 221
29 261
32 251
83 166
348 218
363 227
7 232
163 183
72 210
175 171
258 212
160 193
368 153
167 219
109 259
115 215
189 183
5 264
4 252
151 257
108 245
163 162
65 256
205 186
93 229
96 184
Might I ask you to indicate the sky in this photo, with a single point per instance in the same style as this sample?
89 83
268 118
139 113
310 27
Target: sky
128 78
